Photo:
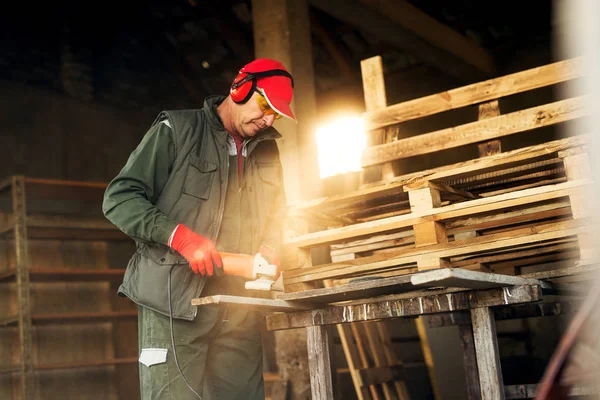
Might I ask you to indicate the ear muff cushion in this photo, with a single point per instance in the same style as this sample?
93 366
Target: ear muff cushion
242 87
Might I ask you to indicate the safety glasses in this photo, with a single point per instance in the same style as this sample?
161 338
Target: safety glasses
265 107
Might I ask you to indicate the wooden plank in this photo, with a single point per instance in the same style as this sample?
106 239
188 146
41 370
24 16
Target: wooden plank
476 93
505 175
472 207
434 32
377 355
370 389
376 309
514 254
488 355
375 243
564 272
393 361
448 173
498 241
352 291
456 277
352 359
375 99
478 131
319 363
370 21
252 302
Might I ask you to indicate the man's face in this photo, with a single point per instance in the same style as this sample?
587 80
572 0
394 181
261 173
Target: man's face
250 119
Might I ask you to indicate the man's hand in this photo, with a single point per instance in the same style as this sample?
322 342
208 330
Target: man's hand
200 252
271 256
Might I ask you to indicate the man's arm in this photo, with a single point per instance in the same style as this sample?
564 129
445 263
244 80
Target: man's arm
130 197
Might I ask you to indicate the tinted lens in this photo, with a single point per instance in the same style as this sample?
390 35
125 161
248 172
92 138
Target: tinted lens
265 107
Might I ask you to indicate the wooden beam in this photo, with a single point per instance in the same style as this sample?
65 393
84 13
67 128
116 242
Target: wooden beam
519 311
343 64
252 302
476 93
365 18
477 131
442 36
281 31
377 309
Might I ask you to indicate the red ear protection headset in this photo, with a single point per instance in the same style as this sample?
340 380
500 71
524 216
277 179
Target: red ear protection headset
244 84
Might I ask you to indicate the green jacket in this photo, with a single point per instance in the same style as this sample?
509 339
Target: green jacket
178 174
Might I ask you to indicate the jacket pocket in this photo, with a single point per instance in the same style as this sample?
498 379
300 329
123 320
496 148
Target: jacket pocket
200 177
269 182
149 281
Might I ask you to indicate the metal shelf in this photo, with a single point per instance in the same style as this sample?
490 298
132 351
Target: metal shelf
67 275
84 364
62 226
77 317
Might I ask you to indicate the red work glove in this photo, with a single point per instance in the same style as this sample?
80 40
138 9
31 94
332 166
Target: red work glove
200 252
271 256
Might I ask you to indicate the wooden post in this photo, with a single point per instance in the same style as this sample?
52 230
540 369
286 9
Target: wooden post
319 363
281 30
489 110
470 360
375 99
22 274
430 232
488 356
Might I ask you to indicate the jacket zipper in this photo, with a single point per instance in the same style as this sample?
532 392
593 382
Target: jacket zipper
222 202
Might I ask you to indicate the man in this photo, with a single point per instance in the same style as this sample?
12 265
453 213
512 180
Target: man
202 182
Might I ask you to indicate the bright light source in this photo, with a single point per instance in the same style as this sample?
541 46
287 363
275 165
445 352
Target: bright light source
340 145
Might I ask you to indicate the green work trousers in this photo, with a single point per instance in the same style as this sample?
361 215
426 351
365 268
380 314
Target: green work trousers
219 353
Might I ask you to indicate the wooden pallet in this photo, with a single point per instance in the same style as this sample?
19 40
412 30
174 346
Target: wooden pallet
496 213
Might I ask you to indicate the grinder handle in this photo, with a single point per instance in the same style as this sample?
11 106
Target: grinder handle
238 264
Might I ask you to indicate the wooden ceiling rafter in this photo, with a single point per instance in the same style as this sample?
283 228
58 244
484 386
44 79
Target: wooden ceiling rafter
384 28
440 35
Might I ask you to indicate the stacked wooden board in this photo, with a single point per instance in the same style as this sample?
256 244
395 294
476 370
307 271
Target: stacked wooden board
499 212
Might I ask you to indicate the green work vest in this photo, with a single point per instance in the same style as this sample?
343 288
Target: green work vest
195 195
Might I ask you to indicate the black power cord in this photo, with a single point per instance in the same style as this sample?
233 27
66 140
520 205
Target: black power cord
173 336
